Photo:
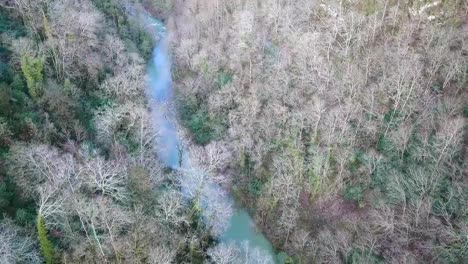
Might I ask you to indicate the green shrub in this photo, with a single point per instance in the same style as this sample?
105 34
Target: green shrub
85 111
203 127
447 200
357 161
25 216
393 118
14 205
255 187
9 23
5 196
32 70
6 74
387 147
5 95
17 83
284 258
354 193
21 100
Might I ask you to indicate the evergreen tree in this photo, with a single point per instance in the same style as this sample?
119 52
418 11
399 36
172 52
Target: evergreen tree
47 249
32 70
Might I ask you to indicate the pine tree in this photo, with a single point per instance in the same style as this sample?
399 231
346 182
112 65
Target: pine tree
47 249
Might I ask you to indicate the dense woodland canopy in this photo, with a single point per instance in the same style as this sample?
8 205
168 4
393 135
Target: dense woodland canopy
340 125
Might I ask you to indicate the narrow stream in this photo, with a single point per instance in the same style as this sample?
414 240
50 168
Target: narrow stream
229 224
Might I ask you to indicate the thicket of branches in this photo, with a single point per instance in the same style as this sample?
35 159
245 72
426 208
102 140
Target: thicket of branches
341 124
345 121
79 178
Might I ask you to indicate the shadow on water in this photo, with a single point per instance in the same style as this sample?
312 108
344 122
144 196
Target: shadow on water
230 225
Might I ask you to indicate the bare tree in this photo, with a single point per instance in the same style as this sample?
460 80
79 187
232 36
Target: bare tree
72 36
132 119
106 177
225 253
448 139
40 164
161 255
128 82
14 247
31 12
171 208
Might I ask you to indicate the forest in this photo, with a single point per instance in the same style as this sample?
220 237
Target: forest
338 125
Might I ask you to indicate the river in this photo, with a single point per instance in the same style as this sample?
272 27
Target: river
230 225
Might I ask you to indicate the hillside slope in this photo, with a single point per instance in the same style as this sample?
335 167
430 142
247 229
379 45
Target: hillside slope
344 121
